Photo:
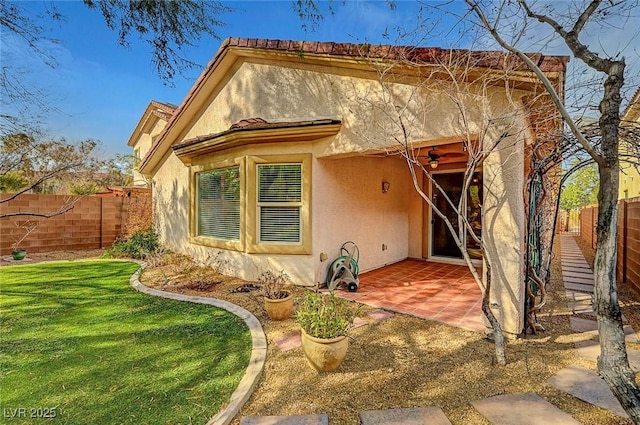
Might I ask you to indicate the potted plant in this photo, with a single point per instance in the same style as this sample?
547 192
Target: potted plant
325 321
277 301
27 227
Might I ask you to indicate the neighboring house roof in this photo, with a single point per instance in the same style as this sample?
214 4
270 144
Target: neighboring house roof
161 110
232 48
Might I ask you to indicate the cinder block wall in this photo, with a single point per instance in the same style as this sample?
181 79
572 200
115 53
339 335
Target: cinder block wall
94 222
588 222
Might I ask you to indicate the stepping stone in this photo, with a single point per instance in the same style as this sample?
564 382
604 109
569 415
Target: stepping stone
630 335
583 325
521 409
576 264
380 314
578 287
591 350
572 255
581 276
288 341
578 296
580 307
358 323
410 416
573 269
573 279
286 420
586 385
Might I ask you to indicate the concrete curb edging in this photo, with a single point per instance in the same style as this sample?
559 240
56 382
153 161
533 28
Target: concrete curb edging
258 342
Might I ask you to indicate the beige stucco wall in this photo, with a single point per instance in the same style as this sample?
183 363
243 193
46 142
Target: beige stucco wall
349 205
347 201
503 226
295 92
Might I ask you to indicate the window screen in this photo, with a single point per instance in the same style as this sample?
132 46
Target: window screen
219 203
280 202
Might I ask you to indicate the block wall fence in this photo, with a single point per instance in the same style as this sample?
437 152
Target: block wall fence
94 222
628 262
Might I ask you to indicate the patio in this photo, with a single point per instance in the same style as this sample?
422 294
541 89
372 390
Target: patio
433 291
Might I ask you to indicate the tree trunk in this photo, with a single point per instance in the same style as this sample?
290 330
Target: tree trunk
613 363
498 335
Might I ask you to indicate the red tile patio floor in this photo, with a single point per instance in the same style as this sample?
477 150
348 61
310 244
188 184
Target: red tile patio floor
433 291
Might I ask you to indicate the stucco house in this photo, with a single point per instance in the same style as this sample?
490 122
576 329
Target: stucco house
282 150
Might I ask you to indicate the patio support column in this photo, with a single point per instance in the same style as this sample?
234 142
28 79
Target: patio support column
503 228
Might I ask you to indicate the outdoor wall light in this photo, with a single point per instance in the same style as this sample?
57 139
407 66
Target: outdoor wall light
385 186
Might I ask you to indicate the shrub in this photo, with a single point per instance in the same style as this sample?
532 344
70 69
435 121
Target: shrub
138 246
273 284
325 316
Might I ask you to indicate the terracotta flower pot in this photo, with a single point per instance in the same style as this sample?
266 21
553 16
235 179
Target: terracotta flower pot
19 254
324 355
279 309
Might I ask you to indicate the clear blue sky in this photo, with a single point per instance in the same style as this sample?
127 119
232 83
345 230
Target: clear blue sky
101 89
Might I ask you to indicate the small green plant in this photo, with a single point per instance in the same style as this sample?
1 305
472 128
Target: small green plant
325 316
138 246
273 284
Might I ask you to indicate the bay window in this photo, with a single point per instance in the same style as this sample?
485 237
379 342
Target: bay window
254 204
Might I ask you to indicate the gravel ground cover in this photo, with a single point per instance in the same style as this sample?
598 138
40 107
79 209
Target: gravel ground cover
399 362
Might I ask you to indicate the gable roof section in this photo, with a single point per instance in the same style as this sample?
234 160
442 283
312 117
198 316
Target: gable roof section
154 109
232 48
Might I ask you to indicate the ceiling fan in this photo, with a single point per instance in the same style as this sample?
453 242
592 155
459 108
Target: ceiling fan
435 155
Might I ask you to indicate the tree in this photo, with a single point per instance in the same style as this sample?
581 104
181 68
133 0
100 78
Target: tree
567 26
514 24
581 188
12 181
471 93
168 27
44 164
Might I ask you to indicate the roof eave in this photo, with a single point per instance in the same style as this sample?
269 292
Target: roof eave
300 132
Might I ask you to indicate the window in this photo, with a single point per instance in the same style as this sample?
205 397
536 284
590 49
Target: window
279 203
218 203
253 204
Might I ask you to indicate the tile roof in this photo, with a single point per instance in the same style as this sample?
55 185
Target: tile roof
480 58
163 110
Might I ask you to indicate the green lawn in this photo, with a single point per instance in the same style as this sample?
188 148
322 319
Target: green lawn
76 338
